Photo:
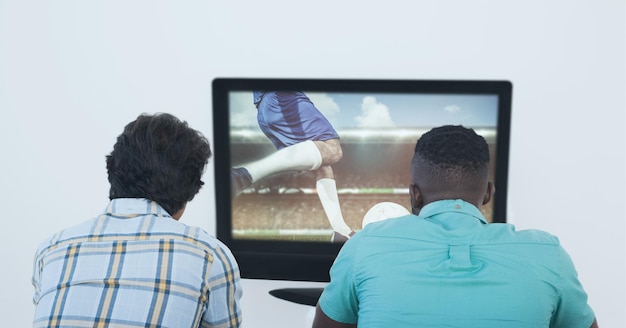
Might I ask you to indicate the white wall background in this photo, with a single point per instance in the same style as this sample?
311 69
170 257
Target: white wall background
73 73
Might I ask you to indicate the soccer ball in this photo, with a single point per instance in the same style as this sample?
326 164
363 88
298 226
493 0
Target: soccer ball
383 211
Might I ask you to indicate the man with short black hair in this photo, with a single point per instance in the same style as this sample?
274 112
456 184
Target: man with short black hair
445 265
136 265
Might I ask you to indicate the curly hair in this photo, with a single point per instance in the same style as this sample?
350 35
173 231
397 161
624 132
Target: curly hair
451 154
158 157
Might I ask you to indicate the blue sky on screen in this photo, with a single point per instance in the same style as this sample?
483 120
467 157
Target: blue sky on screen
385 110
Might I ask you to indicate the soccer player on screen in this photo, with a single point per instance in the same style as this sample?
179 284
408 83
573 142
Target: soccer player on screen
305 141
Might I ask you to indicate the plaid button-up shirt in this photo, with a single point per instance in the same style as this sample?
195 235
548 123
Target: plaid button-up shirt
135 266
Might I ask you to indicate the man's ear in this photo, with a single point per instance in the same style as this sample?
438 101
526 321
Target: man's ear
491 189
417 202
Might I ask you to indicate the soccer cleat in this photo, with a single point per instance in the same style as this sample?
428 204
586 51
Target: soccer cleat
339 238
240 179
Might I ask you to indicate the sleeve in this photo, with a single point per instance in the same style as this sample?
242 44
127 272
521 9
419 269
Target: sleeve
339 300
38 261
223 308
572 308
36 278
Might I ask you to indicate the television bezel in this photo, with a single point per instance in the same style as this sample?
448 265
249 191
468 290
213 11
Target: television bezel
311 261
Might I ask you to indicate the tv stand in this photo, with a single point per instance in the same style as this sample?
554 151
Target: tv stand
305 296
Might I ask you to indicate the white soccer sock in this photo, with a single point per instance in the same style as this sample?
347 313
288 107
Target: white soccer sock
327 192
302 156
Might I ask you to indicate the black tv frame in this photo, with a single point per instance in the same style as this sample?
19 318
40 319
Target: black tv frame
311 261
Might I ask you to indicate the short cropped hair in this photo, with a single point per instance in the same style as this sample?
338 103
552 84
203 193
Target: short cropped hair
158 157
451 154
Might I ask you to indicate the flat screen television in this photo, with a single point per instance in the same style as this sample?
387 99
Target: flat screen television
277 227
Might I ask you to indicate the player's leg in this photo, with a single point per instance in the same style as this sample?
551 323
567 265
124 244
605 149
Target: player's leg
326 186
330 150
327 192
303 156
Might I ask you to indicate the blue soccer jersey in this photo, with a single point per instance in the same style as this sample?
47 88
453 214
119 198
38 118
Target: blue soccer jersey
289 117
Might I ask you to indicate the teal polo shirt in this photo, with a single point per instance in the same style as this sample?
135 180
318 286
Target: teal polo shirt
448 267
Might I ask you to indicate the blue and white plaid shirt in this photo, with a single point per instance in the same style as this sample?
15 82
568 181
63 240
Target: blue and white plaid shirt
135 266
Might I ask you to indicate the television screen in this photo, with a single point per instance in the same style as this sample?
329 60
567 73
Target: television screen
299 162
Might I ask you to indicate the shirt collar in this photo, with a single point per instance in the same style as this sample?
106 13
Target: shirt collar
451 205
132 207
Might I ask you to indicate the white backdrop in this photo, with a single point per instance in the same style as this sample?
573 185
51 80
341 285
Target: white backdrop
73 73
